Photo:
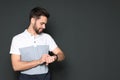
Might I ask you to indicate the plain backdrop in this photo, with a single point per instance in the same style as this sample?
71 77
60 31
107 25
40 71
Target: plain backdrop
86 30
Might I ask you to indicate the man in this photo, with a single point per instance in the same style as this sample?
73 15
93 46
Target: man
29 49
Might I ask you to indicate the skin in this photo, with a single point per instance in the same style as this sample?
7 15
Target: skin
36 27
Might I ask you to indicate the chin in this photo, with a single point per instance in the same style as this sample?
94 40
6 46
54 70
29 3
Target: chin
40 32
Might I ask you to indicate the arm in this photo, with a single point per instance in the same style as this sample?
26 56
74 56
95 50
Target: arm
57 51
59 56
19 65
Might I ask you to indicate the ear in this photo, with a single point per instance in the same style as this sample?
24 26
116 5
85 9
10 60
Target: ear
32 20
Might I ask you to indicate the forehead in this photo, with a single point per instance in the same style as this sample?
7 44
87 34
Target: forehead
42 18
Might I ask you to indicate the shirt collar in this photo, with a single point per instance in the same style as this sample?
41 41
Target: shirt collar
29 34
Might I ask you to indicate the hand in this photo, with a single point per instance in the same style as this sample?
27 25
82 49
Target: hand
43 58
50 59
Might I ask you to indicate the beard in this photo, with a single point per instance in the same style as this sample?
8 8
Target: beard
37 30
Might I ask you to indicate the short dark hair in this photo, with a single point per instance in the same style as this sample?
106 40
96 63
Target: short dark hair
37 12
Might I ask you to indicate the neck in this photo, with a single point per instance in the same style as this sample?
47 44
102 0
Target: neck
31 31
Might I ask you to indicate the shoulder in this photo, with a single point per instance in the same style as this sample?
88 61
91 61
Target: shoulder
45 35
18 36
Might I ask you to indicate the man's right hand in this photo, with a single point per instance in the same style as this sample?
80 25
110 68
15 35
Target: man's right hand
43 58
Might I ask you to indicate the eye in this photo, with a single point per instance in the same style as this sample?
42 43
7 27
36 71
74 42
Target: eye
42 23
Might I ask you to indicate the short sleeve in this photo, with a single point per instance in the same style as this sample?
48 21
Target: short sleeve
52 44
14 48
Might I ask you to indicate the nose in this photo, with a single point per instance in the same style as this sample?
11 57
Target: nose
44 26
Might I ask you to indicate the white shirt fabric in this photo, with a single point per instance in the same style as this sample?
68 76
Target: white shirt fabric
31 48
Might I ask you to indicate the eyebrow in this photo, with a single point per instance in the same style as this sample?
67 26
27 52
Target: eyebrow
42 22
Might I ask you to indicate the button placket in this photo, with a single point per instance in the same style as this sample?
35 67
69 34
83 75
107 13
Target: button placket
34 41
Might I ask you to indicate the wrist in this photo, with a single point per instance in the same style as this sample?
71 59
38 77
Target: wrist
38 62
56 57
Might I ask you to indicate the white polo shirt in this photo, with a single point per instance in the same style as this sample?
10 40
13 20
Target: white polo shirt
31 48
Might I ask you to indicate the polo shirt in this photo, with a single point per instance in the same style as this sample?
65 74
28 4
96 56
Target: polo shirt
31 47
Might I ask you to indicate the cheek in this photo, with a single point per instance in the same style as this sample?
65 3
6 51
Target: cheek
38 25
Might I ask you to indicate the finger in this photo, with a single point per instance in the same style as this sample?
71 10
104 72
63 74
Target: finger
51 59
47 64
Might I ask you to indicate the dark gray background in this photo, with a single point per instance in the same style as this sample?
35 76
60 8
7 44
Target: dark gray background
86 30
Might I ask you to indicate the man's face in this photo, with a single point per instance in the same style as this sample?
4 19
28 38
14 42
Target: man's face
40 24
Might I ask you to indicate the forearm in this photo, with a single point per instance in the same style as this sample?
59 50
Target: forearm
22 65
60 57
19 65
59 53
